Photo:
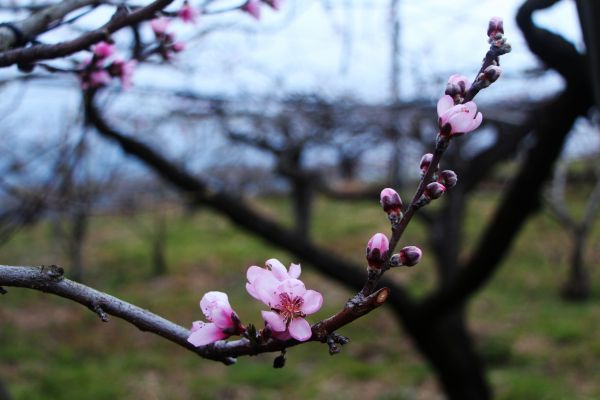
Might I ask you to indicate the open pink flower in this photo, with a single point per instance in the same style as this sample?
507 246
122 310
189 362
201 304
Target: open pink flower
224 322
457 119
252 7
263 281
290 302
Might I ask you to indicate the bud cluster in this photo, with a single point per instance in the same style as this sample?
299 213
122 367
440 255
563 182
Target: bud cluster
102 67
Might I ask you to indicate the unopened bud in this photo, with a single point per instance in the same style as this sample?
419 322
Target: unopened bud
410 255
495 26
448 178
434 190
395 260
391 202
425 162
377 250
492 73
457 85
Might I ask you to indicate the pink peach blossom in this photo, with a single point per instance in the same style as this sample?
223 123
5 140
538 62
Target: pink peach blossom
290 303
223 321
252 7
262 281
457 119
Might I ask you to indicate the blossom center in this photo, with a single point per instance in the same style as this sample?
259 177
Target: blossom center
289 307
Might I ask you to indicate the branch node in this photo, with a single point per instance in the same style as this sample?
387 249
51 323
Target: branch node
333 339
54 272
101 314
279 361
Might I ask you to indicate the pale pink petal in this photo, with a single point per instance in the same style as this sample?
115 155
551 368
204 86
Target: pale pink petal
295 271
300 329
313 301
221 316
293 287
444 104
274 321
471 107
254 272
278 269
461 121
251 291
206 333
266 288
476 122
209 299
196 325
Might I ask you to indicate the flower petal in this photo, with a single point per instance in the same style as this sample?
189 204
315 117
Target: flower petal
206 333
254 272
211 301
266 288
278 269
300 329
461 121
295 271
313 301
476 122
252 291
444 104
274 321
293 287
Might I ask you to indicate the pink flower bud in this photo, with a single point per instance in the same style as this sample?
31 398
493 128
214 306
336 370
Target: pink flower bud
178 47
448 178
457 85
223 321
434 190
377 250
103 50
410 256
425 162
495 26
391 202
187 13
252 7
457 119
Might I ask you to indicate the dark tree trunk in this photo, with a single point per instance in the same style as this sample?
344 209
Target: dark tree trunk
79 225
577 287
449 349
159 238
302 198
4 395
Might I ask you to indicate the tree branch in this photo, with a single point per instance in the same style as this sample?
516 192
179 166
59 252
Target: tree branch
49 279
120 20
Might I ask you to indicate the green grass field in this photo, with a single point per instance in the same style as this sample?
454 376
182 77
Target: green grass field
536 345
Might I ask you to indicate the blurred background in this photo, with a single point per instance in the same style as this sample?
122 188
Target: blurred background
273 140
